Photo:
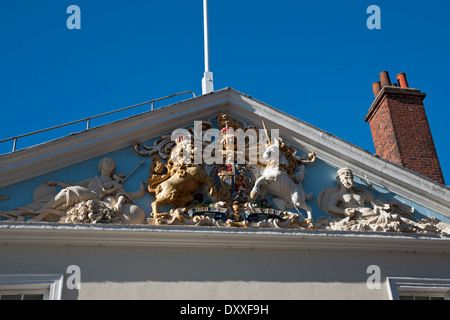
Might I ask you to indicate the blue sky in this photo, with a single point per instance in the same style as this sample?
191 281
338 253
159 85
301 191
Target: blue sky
315 60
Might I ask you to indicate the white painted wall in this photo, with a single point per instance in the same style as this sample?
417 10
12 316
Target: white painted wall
115 272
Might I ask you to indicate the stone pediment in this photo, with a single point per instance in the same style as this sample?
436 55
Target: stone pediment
96 176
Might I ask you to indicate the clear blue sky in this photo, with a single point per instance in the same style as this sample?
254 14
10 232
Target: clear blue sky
315 60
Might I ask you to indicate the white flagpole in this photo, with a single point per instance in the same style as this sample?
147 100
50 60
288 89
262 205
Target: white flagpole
207 82
206 34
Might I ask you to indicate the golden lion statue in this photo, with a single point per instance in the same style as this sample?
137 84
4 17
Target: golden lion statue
176 185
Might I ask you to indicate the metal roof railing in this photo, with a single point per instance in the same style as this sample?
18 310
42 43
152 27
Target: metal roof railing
88 120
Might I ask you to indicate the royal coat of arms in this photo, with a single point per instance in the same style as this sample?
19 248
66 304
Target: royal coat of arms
223 178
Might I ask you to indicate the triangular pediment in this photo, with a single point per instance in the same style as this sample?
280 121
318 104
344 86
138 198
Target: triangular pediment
76 158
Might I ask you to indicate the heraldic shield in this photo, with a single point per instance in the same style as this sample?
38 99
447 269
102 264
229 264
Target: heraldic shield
233 181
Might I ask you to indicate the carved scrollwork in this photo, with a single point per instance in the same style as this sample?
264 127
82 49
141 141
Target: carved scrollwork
163 146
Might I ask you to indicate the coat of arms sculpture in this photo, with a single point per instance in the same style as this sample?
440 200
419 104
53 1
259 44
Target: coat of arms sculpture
238 168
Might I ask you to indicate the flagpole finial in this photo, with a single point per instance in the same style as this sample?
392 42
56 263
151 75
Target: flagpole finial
207 82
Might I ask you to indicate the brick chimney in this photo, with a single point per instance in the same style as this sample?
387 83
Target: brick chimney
400 128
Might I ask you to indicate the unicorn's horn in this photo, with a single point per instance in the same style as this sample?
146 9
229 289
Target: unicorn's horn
267 133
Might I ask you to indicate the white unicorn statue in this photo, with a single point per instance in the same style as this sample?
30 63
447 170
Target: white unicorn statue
288 191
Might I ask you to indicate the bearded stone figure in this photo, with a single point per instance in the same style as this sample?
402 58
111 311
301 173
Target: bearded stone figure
347 201
357 209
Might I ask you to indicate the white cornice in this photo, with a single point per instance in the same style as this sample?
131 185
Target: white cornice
57 154
51 234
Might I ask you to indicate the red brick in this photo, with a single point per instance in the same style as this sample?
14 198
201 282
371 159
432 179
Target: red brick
401 132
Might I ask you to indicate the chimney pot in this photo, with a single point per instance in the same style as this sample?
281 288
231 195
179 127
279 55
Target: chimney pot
384 79
402 82
376 87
